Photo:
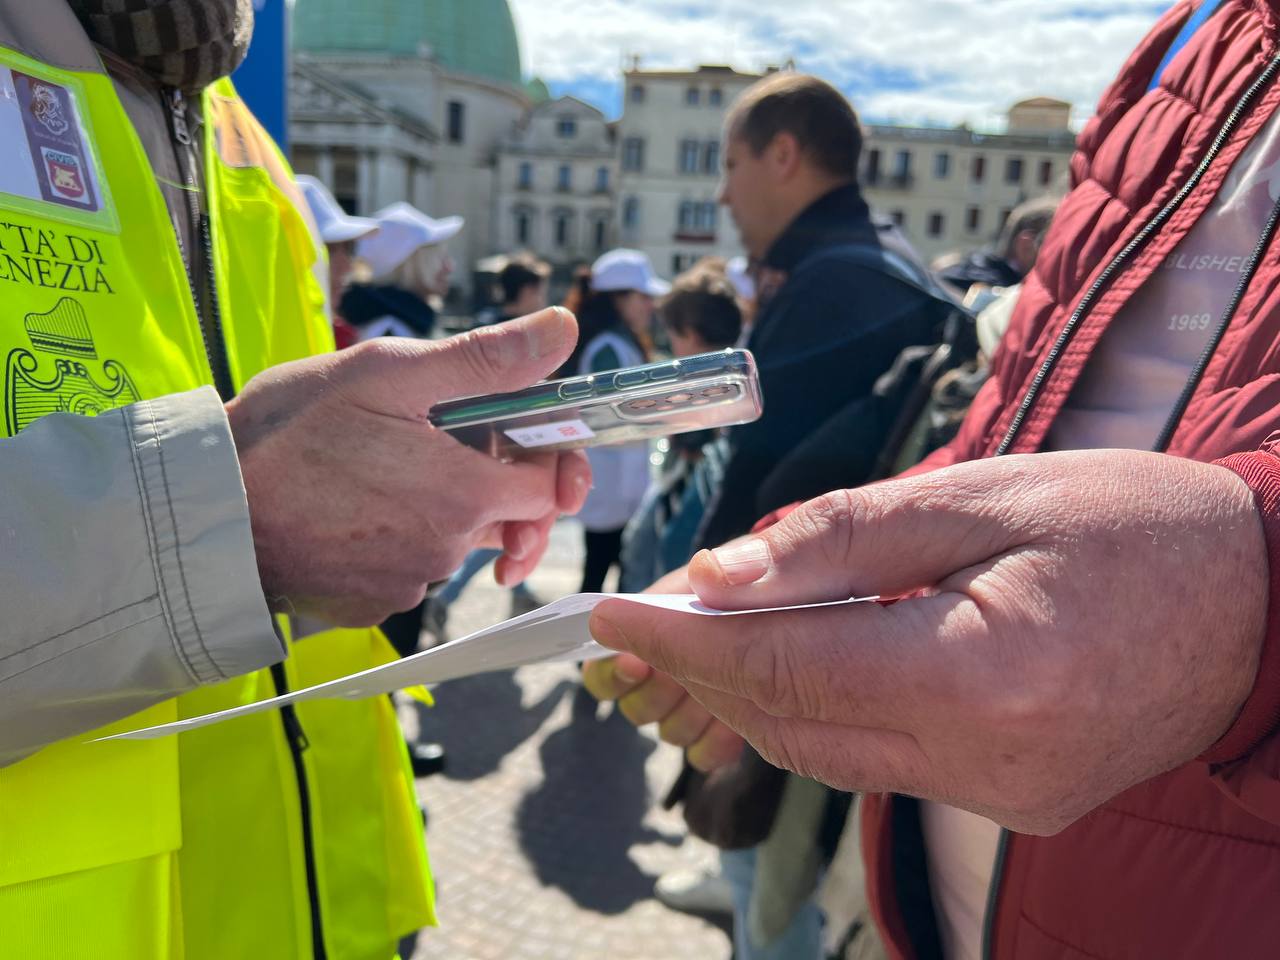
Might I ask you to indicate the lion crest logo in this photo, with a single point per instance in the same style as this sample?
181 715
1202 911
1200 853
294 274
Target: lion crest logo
47 108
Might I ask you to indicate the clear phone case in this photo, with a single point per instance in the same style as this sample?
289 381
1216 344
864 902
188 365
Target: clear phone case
618 406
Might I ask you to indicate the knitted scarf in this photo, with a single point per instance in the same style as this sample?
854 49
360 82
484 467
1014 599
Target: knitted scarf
181 43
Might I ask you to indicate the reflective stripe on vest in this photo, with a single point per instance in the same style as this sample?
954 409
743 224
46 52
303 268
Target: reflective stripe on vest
192 846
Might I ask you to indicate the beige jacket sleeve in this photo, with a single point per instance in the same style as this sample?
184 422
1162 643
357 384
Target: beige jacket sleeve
127 570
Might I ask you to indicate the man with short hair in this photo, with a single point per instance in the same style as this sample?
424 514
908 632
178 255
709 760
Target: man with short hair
839 319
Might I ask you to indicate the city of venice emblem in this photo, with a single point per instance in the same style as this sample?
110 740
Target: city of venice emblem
65 177
57 377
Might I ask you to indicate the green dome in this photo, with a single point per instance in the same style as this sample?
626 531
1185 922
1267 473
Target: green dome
468 36
536 90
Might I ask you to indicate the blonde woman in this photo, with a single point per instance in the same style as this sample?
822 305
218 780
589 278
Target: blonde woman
409 266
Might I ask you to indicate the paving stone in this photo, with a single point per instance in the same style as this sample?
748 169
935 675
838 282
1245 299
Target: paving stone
545 832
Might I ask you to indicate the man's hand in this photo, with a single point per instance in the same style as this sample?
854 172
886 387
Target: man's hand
357 502
1088 621
645 696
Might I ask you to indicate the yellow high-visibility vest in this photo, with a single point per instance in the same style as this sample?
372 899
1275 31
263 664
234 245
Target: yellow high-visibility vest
248 838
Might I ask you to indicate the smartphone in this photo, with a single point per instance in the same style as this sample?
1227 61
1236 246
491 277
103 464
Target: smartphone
617 406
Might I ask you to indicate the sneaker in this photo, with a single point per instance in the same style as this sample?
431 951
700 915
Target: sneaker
426 759
524 601
436 620
695 890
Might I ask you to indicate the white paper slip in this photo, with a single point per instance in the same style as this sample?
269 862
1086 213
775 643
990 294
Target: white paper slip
554 633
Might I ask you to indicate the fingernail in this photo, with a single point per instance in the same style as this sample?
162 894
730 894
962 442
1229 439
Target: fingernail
546 336
605 632
629 670
581 486
743 562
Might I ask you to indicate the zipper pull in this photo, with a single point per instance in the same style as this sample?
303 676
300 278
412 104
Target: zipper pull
178 115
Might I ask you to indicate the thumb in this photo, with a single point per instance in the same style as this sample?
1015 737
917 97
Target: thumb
413 375
887 539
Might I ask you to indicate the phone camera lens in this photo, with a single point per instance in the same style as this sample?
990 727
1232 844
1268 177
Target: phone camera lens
642 404
680 398
718 391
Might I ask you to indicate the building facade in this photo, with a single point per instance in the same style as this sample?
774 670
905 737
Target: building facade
951 189
555 184
668 141
396 100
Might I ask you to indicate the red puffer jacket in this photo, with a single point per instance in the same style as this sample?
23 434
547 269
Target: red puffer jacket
1188 864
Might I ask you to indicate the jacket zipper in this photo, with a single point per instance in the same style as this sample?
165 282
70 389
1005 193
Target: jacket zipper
1077 317
298 743
209 316
207 307
1133 246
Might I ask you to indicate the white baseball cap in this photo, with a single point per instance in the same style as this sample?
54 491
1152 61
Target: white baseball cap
402 229
627 270
336 225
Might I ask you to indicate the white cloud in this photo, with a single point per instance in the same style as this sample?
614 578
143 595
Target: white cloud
908 60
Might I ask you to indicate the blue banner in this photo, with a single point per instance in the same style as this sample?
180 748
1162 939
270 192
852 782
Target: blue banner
263 78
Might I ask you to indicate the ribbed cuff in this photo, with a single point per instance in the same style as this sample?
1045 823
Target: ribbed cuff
201 539
1260 716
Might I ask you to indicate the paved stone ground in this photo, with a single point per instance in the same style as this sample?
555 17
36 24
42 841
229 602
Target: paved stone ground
545 832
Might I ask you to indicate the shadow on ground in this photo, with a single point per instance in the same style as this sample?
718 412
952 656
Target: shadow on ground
577 827
491 699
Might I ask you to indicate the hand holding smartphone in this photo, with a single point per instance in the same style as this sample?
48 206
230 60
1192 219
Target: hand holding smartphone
618 406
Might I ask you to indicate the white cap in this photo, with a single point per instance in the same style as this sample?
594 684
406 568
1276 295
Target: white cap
336 225
740 277
402 229
627 270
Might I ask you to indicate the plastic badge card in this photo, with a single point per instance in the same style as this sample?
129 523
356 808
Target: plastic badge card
554 633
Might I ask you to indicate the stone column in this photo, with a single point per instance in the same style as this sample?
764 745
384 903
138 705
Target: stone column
324 166
364 183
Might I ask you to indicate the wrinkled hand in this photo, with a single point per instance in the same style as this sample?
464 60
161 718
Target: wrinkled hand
646 695
1089 620
357 503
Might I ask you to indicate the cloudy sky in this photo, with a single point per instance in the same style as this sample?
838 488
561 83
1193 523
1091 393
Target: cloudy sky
906 61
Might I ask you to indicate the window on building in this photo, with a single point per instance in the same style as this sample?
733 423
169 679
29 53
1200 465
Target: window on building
1013 170
631 213
562 229
633 153
684 216
873 167
690 152
978 169
457 121
522 227
525 181
902 166
677 264
693 96
711 157
1046 172
715 97
705 219
973 219
941 165
564 177
637 93
567 127
937 224
602 179
1005 213
599 237
899 217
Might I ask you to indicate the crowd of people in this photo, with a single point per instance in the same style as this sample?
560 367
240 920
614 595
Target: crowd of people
1054 733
